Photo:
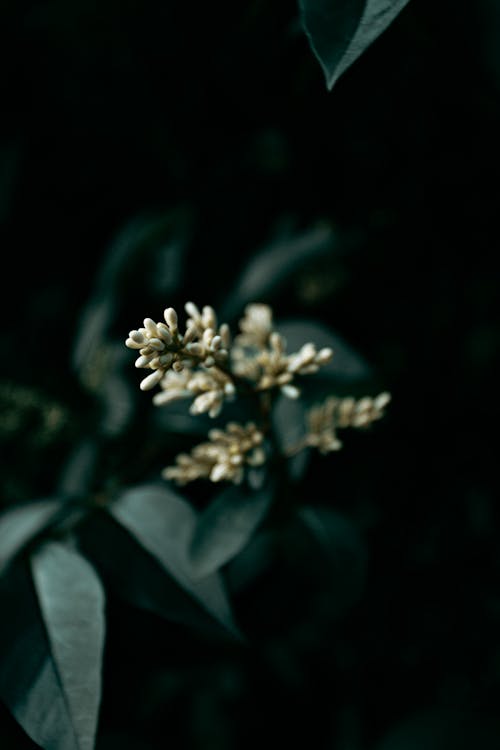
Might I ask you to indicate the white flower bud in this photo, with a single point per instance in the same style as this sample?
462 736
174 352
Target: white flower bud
290 391
132 344
166 359
216 343
192 311
171 318
150 327
143 361
209 318
381 400
225 335
137 337
195 348
324 355
157 344
151 380
219 472
164 333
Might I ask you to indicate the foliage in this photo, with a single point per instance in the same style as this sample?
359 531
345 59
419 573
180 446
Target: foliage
338 601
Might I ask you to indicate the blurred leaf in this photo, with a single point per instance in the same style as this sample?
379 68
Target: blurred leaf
251 561
137 577
163 523
345 365
289 425
92 329
270 268
21 524
148 244
442 729
226 525
339 31
30 684
71 601
341 551
78 471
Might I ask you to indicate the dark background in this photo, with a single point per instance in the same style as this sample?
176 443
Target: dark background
218 117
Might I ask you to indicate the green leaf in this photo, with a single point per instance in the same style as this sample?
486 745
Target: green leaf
342 553
270 268
226 525
339 31
345 365
289 422
71 600
21 524
163 523
31 685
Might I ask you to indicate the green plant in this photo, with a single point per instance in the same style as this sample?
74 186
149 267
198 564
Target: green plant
107 534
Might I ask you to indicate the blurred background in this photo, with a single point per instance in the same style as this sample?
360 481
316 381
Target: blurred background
147 151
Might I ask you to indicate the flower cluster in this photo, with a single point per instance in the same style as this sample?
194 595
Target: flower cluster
175 359
223 457
324 419
204 365
259 354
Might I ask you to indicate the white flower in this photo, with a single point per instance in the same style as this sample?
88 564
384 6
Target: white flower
224 457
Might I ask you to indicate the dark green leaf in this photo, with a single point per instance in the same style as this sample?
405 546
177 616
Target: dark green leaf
289 417
30 684
78 471
346 364
137 577
252 561
163 523
71 600
21 524
339 31
270 268
342 553
226 525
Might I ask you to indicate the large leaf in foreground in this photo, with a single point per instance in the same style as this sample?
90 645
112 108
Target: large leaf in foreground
71 600
31 684
19 525
163 523
226 525
339 31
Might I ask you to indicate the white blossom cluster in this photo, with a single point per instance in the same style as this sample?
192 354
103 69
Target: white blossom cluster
224 457
259 354
324 419
202 364
175 359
